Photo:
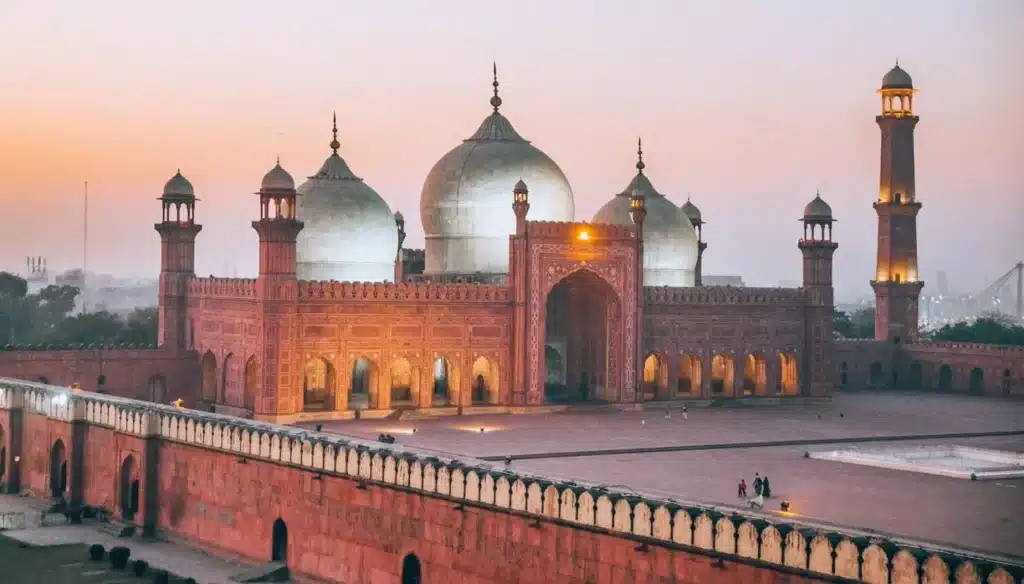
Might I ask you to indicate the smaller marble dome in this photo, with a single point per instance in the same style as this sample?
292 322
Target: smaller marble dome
818 210
670 240
178 187
691 211
277 179
897 78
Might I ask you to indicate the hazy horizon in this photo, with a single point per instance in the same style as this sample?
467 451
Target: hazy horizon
747 107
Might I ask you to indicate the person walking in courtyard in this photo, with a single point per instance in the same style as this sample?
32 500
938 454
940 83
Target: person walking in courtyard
757 484
766 487
685 410
741 489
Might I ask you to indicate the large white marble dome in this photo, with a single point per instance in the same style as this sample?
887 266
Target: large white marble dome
670 241
466 203
350 233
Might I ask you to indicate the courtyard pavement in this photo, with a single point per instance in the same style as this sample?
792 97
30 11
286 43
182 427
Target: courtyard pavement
181 560
984 515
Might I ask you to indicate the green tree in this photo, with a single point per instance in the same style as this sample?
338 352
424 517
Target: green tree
44 318
859 325
91 328
15 308
140 327
988 329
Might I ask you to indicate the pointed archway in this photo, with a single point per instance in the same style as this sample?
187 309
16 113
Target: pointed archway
129 489
58 469
583 316
411 570
279 542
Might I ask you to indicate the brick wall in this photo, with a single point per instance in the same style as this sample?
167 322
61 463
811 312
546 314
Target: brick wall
356 512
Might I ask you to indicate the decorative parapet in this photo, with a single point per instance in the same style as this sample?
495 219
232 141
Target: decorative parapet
1011 351
222 287
79 347
796 544
382 291
570 230
59 403
720 295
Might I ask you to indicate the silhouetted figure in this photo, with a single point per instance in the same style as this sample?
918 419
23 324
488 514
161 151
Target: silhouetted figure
757 484
508 461
584 387
766 487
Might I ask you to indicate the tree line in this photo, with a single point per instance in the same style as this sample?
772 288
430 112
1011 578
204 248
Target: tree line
990 329
45 319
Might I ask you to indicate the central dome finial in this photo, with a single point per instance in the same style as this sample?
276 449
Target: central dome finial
495 100
640 166
334 131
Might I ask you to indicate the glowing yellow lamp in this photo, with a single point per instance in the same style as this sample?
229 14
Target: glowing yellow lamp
583 236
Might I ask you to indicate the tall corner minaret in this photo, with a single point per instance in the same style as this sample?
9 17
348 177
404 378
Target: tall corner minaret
897 284
697 220
818 248
278 227
178 230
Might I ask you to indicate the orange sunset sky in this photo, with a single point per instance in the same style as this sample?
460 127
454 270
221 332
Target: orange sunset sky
747 106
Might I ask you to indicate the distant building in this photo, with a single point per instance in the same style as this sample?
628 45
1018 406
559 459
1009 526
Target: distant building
36 274
943 283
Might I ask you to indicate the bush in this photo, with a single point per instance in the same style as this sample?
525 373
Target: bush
161 577
139 567
119 557
96 552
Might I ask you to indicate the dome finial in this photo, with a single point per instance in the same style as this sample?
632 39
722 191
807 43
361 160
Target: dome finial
279 160
334 131
640 155
495 100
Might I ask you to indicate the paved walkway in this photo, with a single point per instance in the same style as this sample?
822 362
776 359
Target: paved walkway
761 444
848 416
181 560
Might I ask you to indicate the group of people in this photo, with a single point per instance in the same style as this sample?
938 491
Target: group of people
386 439
762 490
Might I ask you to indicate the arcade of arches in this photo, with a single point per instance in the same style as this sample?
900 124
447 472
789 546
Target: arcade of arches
756 373
399 384
928 376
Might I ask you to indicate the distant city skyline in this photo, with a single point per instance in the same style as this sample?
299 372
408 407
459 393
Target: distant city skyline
748 108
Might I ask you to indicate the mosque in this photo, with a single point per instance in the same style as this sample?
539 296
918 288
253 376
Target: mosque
514 303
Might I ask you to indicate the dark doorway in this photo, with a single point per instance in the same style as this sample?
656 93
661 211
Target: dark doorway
411 573
129 491
1007 387
977 381
844 375
945 378
279 542
916 378
580 312
875 375
58 469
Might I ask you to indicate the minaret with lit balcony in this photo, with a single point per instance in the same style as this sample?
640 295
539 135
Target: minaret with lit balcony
178 230
897 284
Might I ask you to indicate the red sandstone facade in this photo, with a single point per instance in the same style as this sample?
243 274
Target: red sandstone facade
571 323
572 306
349 511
